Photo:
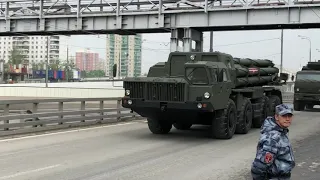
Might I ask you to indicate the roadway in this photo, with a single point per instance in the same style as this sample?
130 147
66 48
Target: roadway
130 151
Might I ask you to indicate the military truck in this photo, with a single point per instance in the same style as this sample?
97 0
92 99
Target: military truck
307 87
209 88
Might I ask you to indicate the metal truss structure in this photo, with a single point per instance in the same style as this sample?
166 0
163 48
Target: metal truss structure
87 8
185 19
134 16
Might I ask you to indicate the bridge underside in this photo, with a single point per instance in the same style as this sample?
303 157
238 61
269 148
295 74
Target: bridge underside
185 22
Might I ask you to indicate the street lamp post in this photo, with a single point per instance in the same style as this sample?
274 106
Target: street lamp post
2 70
47 62
281 62
307 38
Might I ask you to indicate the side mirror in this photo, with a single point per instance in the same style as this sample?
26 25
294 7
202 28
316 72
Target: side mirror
284 76
292 77
114 71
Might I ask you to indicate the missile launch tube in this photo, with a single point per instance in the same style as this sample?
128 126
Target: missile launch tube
254 80
312 66
243 71
253 62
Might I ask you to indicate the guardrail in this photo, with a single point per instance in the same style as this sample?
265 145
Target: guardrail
50 119
62 92
91 111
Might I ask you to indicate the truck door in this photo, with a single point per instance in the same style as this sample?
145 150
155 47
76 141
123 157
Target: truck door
223 89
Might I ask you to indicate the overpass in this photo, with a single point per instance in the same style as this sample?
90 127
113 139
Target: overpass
186 20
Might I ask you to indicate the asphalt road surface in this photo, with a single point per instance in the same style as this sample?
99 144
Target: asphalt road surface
130 151
307 156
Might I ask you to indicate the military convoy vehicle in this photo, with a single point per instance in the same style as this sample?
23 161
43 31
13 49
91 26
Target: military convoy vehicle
209 88
307 87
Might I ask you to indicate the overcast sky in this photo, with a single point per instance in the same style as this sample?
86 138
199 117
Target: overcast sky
252 44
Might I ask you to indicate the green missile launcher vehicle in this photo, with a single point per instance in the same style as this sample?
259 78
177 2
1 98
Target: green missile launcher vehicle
209 88
307 87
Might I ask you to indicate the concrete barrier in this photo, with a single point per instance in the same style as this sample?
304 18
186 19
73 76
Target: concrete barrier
60 92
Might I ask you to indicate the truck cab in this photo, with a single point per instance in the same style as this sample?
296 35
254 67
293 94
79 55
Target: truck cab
306 89
185 82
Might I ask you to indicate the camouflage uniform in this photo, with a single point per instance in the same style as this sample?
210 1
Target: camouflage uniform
274 158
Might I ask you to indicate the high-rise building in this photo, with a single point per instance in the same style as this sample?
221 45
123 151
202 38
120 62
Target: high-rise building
100 65
33 48
87 60
125 51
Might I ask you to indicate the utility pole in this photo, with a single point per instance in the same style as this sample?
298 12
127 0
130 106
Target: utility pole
211 41
310 52
67 74
2 70
281 63
47 67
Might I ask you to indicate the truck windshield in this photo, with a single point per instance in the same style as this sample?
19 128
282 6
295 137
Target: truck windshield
197 75
308 77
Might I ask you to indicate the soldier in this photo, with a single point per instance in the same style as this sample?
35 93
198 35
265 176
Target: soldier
274 158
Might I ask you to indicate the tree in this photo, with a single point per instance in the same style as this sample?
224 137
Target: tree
94 74
35 66
15 57
67 68
56 65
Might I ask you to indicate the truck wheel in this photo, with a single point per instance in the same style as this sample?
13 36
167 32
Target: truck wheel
182 126
224 123
273 102
298 106
309 106
245 117
264 109
157 126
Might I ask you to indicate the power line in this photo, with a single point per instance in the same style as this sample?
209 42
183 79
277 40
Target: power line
247 42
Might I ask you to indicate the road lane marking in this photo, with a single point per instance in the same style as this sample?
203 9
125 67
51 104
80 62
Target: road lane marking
64 132
28 172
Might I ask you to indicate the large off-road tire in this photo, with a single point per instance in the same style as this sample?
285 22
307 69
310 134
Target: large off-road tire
309 106
157 126
182 126
264 111
273 102
245 117
224 123
298 106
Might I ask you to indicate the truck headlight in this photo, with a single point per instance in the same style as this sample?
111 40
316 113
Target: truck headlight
206 95
127 92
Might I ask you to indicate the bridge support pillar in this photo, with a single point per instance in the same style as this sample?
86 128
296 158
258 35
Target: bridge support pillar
191 40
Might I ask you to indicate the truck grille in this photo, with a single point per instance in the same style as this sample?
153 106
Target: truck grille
165 91
156 91
137 89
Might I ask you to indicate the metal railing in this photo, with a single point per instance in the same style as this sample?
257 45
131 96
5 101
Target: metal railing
39 117
50 114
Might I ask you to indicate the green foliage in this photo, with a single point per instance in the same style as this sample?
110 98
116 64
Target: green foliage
15 57
92 74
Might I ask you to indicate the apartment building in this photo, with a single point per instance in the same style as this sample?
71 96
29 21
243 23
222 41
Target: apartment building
87 60
125 51
100 65
33 48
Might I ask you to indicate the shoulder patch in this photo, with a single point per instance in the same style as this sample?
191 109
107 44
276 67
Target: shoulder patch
268 157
